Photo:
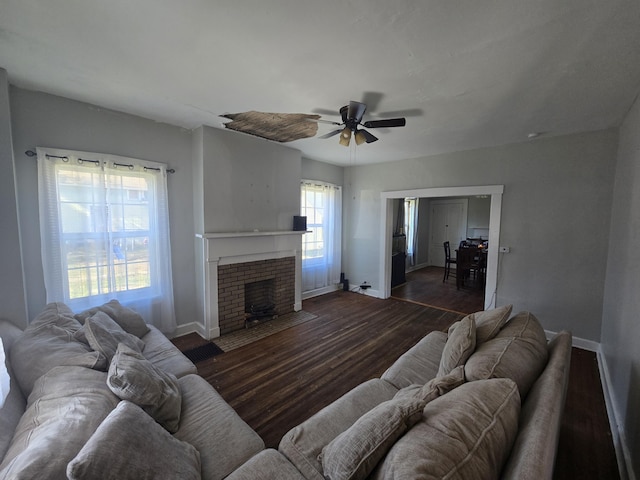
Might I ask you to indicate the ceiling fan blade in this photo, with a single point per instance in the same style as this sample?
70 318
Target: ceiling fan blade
389 122
344 113
356 111
324 111
330 134
319 120
369 137
371 100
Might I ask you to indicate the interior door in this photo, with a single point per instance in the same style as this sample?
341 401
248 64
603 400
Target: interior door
448 223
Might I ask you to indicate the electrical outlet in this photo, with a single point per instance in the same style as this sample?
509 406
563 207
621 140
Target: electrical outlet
505 249
365 285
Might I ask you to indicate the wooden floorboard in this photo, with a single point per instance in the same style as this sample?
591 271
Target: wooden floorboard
585 447
279 381
425 286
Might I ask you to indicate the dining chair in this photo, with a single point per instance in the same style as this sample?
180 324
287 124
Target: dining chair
466 263
448 261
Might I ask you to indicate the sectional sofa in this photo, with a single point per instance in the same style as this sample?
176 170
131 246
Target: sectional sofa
100 394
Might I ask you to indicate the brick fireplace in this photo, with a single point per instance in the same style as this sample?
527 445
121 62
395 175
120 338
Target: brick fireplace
270 282
231 261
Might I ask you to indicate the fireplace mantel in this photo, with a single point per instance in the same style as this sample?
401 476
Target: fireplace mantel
226 248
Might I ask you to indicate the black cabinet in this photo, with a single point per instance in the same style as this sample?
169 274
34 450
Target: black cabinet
398 261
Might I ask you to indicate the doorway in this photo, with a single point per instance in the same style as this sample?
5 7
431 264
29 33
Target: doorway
494 191
447 223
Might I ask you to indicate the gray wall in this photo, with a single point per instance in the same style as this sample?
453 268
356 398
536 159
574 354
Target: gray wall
12 292
224 181
620 324
555 218
323 172
45 120
249 183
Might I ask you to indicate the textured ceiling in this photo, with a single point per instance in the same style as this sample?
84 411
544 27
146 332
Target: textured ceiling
466 73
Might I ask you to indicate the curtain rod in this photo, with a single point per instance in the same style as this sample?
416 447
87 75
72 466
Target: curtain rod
31 153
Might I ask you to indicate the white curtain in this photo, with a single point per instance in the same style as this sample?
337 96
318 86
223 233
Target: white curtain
411 228
321 203
104 227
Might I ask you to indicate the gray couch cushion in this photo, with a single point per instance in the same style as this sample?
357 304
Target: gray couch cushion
47 345
419 364
56 313
518 351
354 453
130 320
65 408
460 344
488 322
103 335
302 444
267 465
208 423
134 378
165 355
435 387
466 433
129 444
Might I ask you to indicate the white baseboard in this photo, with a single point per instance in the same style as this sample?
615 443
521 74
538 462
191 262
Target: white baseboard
187 328
320 291
623 455
195 327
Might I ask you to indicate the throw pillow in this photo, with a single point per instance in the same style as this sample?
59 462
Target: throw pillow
128 444
435 387
518 351
103 335
130 321
459 346
467 433
134 378
355 452
488 322
65 408
45 346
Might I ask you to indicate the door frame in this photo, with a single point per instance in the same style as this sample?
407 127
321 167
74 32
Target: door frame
386 231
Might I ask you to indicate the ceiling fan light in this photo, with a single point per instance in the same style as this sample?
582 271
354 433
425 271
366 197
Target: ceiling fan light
345 137
360 138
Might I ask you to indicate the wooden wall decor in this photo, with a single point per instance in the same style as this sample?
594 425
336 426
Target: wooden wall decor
280 127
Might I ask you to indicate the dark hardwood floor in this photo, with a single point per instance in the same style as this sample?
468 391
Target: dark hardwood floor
425 286
279 381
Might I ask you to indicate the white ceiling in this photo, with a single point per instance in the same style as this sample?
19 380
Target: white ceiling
468 73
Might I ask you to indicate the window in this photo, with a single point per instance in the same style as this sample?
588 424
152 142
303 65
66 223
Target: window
105 233
321 203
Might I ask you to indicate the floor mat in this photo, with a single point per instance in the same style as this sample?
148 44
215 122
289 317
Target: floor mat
203 352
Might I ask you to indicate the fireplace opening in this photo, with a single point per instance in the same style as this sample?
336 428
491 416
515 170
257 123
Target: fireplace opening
259 302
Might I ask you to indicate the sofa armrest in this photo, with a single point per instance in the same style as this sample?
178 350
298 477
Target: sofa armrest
534 451
15 403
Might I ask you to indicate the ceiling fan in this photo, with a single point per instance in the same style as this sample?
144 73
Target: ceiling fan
352 119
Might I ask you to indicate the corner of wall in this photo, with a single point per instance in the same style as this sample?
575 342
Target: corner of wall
13 299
